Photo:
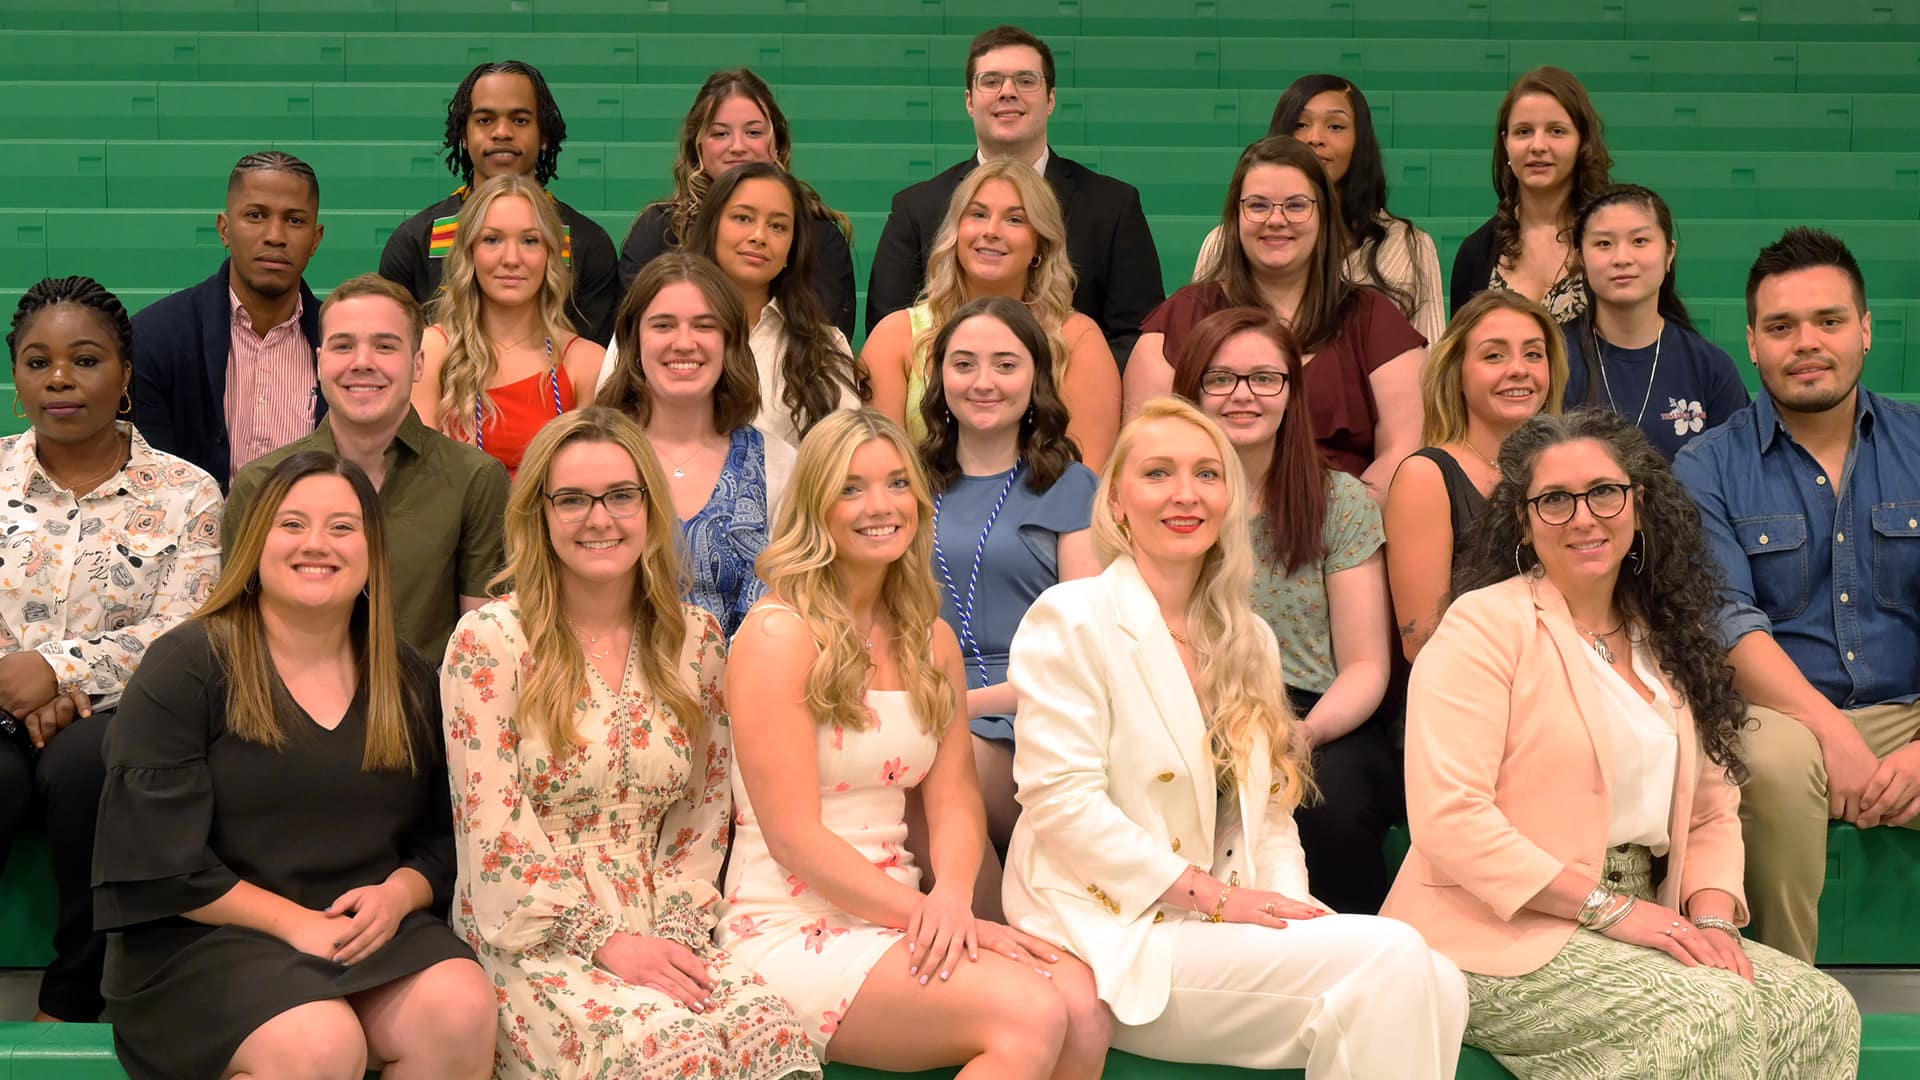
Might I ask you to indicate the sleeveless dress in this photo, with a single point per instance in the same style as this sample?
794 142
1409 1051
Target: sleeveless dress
807 949
624 834
523 407
1464 501
920 319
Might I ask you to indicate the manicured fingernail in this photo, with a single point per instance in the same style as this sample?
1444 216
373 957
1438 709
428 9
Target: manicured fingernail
914 970
943 976
1044 972
923 980
973 955
909 948
1054 957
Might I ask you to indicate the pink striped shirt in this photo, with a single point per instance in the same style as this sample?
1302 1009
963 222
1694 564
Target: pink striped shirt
271 386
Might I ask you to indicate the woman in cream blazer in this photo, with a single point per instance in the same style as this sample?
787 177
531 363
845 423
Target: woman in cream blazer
1158 770
1567 725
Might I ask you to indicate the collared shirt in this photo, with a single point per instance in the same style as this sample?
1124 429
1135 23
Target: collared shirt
271 385
768 343
1830 566
89 583
1039 166
444 504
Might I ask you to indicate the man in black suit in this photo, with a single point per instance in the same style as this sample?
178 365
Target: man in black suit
1010 96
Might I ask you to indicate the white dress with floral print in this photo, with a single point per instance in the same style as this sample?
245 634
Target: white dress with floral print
625 834
813 953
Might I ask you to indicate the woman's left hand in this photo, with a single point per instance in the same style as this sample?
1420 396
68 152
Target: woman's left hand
27 682
376 911
941 933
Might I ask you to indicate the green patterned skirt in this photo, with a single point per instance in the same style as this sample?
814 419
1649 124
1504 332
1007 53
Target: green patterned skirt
1603 1009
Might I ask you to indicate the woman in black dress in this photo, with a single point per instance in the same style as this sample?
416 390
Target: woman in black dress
275 850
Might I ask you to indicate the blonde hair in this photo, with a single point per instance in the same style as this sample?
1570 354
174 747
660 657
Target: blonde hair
470 363
1241 689
256 695
1442 395
797 566
1049 290
557 674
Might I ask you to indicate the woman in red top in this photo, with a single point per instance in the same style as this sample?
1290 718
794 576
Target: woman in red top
1283 250
501 357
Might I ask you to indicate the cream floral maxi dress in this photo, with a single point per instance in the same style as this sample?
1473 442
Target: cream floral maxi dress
627 833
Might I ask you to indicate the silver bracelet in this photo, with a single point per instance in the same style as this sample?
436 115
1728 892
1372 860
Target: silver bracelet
1614 916
1715 922
1596 902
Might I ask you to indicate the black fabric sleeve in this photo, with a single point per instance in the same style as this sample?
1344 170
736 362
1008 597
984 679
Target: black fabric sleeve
428 847
404 257
1471 266
596 282
1134 285
898 264
646 239
151 855
833 279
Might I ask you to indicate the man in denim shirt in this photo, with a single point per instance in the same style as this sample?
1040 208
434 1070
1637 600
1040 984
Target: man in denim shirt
1810 498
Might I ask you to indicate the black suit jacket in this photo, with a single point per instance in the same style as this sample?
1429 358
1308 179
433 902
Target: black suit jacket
1107 240
181 344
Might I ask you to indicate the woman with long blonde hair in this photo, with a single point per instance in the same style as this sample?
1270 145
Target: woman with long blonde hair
848 689
501 356
589 742
1158 768
1004 235
274 831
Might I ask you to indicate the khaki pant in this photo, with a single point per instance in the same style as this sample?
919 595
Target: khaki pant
1783 811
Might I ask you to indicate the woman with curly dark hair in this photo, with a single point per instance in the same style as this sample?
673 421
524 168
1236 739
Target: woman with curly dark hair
1572 720
1549 157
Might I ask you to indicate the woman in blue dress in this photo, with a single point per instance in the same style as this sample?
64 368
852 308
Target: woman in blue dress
1011 511
687 376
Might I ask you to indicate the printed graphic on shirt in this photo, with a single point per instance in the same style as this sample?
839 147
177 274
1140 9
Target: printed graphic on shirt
1687 417
440 238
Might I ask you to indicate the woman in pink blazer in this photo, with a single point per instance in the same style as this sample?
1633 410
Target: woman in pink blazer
1572 751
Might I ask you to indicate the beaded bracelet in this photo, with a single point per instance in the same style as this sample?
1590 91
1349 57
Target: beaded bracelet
1220 905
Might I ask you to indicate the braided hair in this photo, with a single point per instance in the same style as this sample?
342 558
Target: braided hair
83 291
553 129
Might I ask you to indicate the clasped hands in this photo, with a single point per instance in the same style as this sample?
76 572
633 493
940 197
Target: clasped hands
30 692
1864 789
355 926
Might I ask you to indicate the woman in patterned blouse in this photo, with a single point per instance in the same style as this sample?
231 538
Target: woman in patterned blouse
106 543
1320 581
687 376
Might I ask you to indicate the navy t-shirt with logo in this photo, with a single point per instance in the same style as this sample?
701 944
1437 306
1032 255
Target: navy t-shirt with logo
1694 389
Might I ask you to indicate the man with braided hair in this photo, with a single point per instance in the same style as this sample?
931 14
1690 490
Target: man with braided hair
502 120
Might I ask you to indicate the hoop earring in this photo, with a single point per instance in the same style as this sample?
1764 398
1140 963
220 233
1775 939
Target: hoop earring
18 412
1035 264
1126 533
1637 552
126 401
253 585
1519 569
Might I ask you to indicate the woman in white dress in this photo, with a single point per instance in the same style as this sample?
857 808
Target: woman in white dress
846 687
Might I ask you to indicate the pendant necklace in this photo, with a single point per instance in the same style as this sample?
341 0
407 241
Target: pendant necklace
1600 646
592 640
1651 375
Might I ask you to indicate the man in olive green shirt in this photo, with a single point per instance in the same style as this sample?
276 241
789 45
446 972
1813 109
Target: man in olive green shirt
444 502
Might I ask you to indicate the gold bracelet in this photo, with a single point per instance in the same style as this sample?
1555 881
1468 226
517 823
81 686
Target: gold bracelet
1220 905
1715 922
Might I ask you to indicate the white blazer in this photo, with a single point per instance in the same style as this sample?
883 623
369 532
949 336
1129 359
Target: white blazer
1117 791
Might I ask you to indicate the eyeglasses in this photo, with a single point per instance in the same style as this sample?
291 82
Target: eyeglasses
1296 210
1219 382
1603 501
1026 82
621 502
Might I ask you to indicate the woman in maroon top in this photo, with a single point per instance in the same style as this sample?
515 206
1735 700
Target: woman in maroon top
1283 250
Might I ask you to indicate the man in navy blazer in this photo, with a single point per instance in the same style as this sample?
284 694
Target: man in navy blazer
245 336
1010 79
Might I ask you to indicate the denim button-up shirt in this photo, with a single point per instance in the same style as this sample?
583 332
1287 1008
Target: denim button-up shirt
1830 568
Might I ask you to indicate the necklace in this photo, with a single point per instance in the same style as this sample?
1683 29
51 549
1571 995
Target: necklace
1600 637
86 487
963 604
868 632
680 466
480 406
1651 375
592 640
1476 453
1179 637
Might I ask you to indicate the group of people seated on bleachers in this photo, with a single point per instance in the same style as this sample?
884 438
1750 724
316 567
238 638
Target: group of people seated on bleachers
1028 711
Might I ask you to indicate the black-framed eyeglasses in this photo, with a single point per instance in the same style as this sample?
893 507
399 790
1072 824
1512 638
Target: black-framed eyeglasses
1219 382
1603 501
621 502
1026 82
1294 210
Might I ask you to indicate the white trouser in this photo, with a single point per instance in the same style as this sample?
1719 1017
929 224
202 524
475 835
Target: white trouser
1346 996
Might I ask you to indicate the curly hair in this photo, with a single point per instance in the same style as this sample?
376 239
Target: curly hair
1591 172
1044 442
1672 595
815 366
553 128
1363 190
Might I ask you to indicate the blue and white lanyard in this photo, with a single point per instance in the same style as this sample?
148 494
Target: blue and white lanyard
480 407
964 603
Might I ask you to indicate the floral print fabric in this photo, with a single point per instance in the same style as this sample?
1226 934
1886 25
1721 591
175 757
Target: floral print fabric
89 583
624 834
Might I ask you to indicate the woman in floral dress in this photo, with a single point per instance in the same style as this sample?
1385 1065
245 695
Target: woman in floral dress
847 687
590 755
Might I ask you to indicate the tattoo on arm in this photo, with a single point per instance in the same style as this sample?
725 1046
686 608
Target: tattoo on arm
1407 628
